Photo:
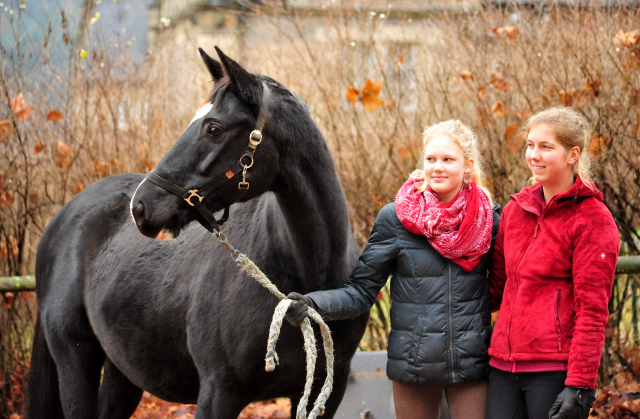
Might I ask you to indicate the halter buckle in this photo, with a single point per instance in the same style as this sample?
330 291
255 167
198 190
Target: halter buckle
255 138
193 192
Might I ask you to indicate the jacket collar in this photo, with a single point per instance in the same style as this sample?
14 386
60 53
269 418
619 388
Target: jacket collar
526 199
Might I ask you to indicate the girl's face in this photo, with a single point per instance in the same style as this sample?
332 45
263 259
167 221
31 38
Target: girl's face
547 159
445 166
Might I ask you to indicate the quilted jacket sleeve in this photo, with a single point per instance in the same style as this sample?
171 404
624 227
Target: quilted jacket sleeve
497 272
369 276
594 262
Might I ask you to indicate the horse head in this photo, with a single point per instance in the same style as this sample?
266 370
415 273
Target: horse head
228 153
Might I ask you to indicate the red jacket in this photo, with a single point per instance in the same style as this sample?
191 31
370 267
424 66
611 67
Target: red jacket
551 277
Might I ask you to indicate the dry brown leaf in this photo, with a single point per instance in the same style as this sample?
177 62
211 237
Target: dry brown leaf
63 157
509 32
40 145
499 109
514 141
352 94
482 92
466 75
4 252
368 95
54 115
8 300
629 39
19 107
15 249
6 129
78 188
6 199
523 115
102 168
500 83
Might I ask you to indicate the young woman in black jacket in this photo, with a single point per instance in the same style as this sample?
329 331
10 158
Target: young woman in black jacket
435 242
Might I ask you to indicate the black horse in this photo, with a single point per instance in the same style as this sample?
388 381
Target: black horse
120 313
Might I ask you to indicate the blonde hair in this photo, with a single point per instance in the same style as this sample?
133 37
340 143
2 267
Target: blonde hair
466 139
571 129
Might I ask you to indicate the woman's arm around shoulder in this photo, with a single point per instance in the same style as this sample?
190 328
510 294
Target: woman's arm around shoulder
369 276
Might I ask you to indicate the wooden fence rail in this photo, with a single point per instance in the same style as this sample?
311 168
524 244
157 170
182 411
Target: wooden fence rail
626 265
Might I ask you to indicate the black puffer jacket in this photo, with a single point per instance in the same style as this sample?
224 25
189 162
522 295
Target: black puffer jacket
440 314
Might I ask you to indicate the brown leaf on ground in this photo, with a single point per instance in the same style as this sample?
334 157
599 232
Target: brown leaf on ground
497 81
78 188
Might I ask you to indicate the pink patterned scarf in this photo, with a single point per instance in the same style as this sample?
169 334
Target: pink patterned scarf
459 230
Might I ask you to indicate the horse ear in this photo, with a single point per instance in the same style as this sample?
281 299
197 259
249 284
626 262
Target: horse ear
214 67
245 83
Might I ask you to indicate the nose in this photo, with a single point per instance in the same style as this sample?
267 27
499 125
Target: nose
438 166
138 213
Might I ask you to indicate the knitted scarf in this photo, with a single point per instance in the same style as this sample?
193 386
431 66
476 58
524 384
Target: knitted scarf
459 230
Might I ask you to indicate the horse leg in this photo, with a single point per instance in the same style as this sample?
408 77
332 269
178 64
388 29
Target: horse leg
118 397
219 400
79 369
78 356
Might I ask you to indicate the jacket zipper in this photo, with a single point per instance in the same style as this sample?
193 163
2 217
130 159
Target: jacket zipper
558 321
535 235
453 370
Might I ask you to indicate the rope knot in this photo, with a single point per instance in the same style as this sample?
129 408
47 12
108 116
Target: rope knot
271 361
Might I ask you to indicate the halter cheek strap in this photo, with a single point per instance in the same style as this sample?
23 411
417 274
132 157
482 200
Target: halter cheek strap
194 197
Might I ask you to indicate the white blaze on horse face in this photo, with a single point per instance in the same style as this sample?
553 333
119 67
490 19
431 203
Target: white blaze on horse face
201 113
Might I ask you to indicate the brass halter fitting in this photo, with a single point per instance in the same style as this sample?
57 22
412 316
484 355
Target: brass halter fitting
193 192
244 185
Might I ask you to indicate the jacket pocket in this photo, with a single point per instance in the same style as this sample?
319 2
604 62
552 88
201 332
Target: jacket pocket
415 341
558 321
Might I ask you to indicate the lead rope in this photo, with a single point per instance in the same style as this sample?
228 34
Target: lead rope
272 359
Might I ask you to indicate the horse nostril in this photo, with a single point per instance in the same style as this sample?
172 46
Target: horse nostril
138 212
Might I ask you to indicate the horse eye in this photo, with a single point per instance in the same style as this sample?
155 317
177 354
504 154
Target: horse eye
214 130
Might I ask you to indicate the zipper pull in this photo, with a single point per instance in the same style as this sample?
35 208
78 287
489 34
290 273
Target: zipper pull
535 234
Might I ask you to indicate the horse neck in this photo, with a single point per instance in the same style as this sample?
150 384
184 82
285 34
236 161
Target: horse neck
314 209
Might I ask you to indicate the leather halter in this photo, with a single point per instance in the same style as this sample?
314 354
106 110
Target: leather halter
245 163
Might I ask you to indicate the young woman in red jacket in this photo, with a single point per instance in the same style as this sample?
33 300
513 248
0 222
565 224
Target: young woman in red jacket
551 276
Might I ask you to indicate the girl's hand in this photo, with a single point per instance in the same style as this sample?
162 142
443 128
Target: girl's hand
297 311
572 403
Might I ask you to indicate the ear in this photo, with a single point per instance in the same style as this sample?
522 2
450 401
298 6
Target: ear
574 155
246 84
214 67
468 166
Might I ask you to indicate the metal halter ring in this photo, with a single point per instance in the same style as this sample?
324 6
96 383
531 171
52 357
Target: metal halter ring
244 165
255 137
193 192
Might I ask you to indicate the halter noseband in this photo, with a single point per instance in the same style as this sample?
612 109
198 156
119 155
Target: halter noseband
245 162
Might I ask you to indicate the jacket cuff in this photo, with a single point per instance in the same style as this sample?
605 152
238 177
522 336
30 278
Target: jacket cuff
576 382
